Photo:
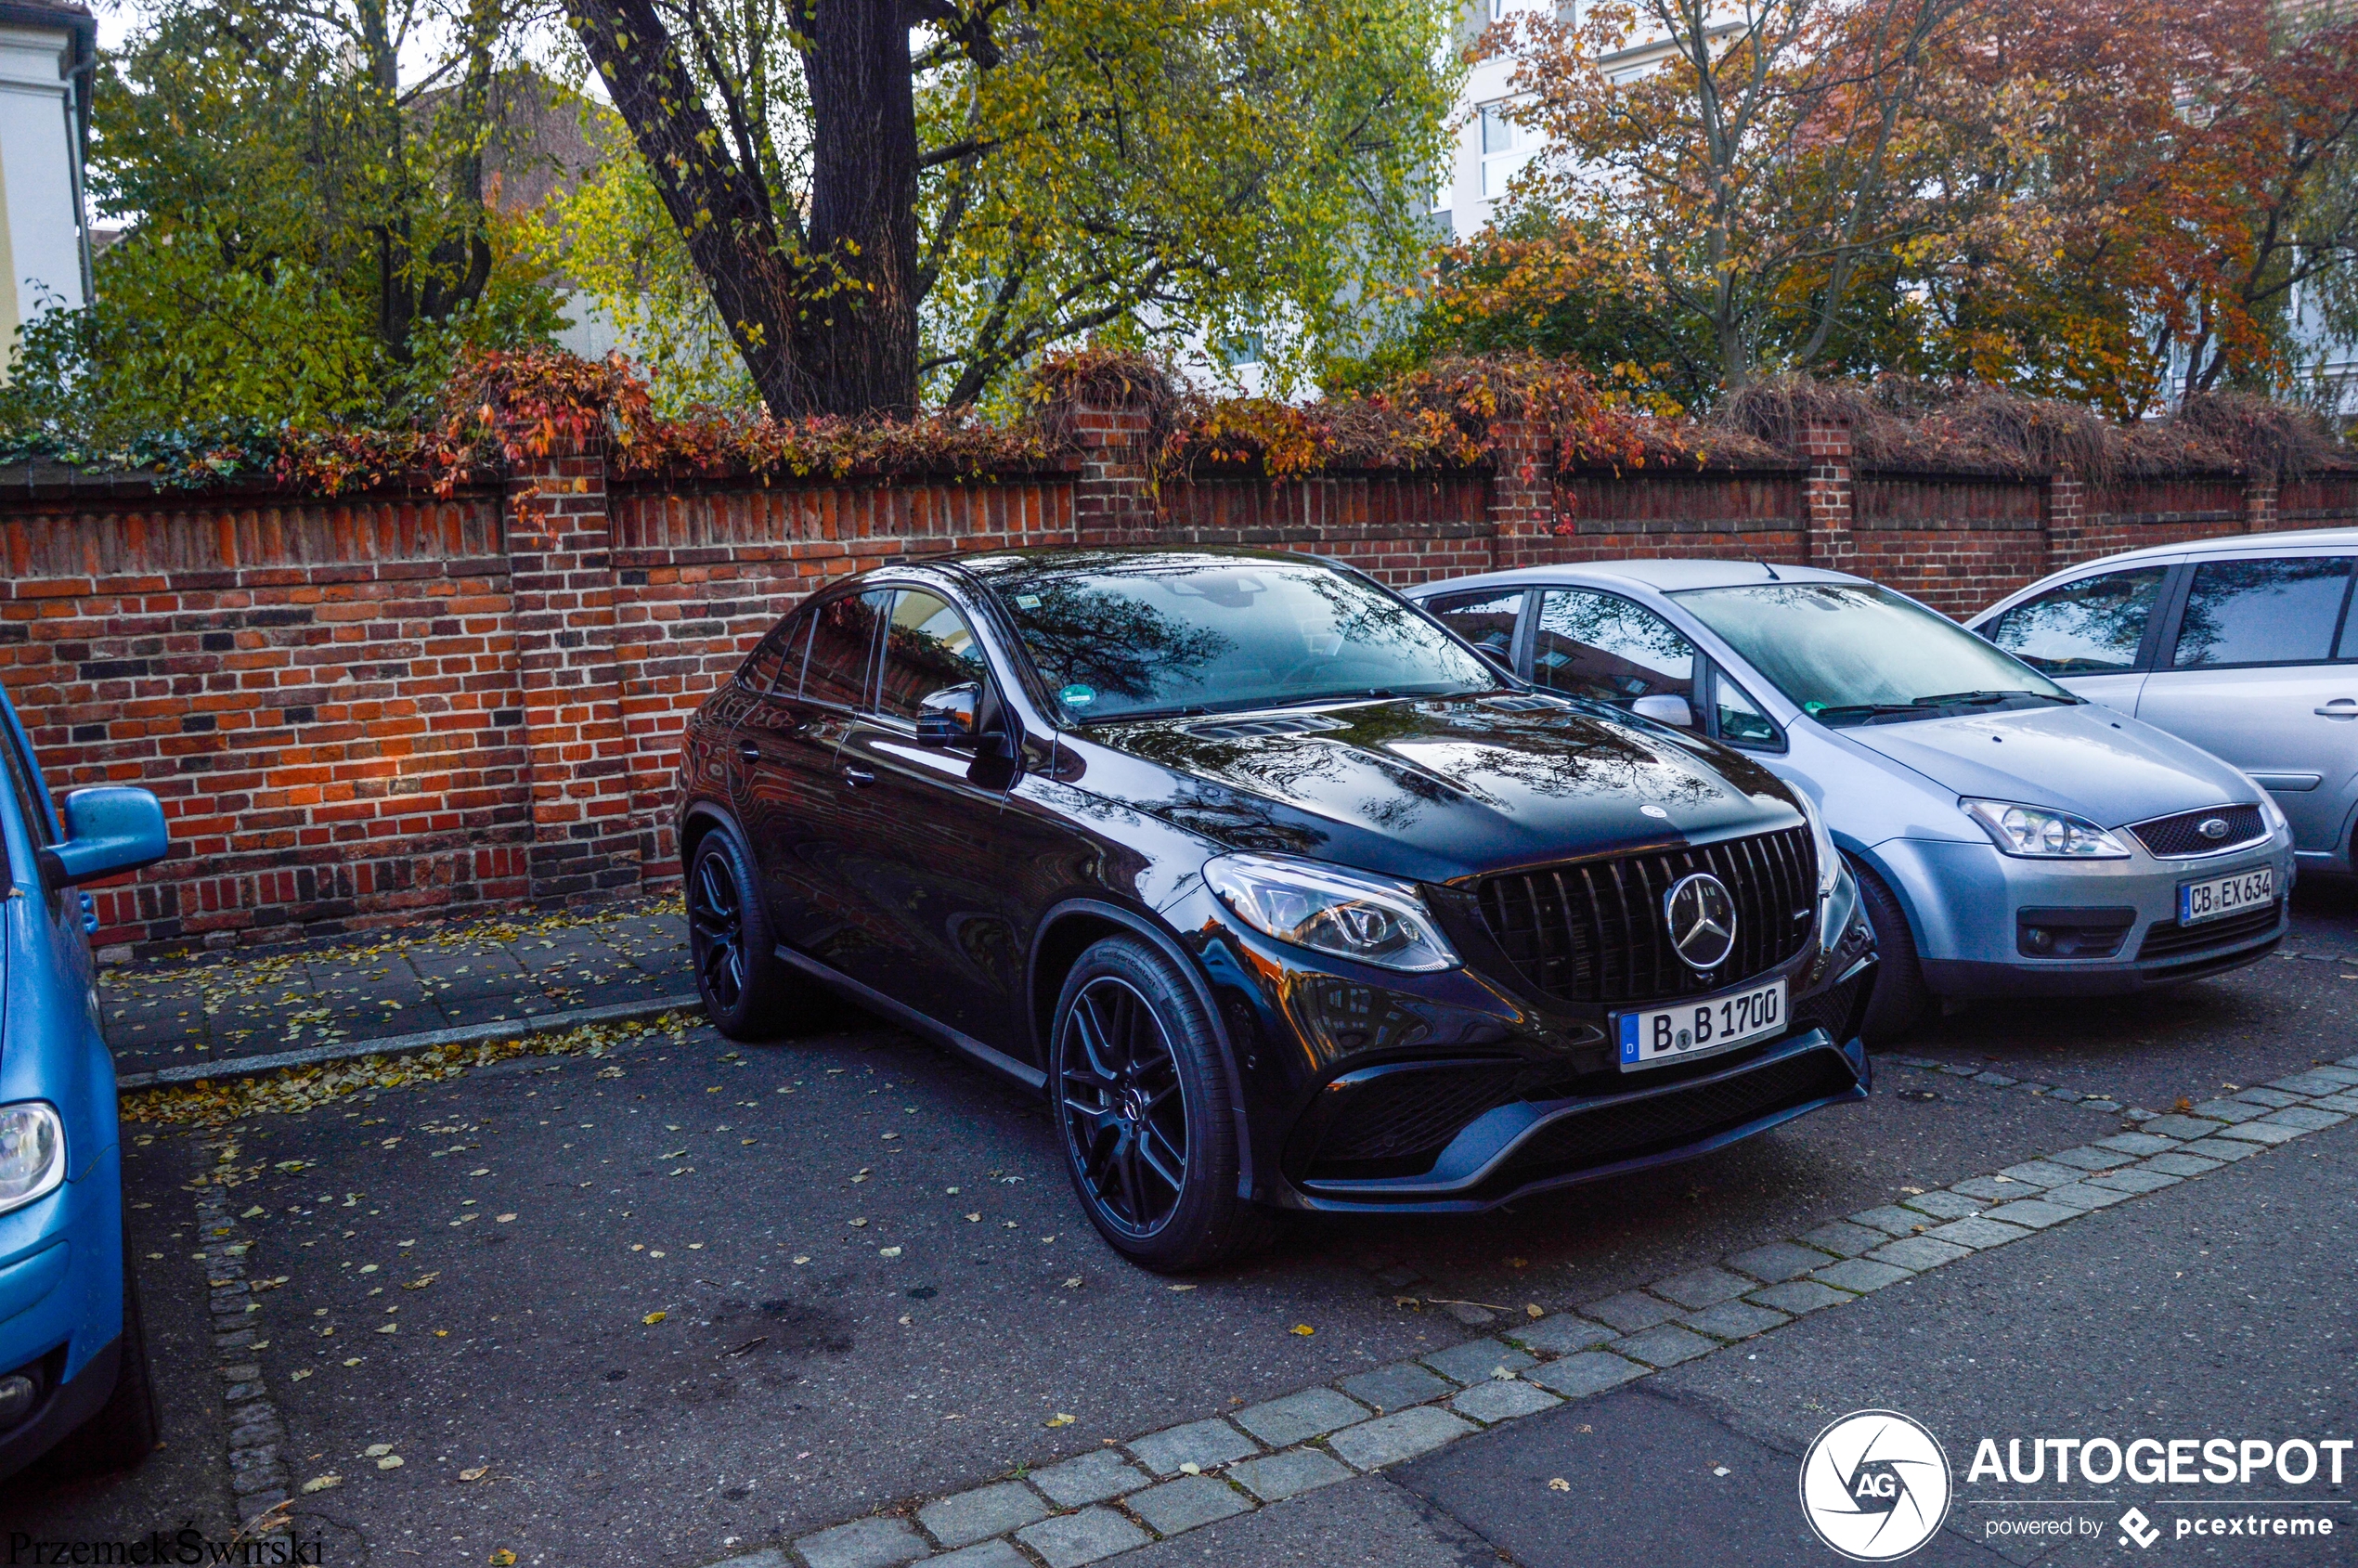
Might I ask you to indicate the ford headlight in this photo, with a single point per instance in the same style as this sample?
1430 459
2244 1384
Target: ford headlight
2043 832
32 1153
1349 914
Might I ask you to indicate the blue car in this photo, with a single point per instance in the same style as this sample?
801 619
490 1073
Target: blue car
73 1365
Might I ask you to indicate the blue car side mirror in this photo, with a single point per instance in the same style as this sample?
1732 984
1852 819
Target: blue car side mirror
109 830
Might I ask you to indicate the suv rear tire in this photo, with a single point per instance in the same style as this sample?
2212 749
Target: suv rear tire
1139 1089
748 992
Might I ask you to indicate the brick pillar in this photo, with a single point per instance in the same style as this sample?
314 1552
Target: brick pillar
1113 499
1826 495
2260 505
1521 508
583 844
2061 535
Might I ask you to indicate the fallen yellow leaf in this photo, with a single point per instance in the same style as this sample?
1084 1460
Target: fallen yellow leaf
321 1483
1058 1420
1560 1485
655 1317
475 1474
503 1558
1303 1328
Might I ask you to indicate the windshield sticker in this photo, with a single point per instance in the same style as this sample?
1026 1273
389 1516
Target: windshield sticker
1026 602
1076 696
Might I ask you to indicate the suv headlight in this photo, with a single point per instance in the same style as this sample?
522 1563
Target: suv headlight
32 1153
1349 914
2043 833
1842 908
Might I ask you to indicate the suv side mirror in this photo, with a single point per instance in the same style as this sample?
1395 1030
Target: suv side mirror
1665 708
947 716
109 830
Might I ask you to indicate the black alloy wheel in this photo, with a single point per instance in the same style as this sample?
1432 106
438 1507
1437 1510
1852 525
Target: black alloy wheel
1142 1095
748 992
1125 1108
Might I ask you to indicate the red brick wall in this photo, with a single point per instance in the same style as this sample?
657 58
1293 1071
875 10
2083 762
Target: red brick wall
324 696
358 710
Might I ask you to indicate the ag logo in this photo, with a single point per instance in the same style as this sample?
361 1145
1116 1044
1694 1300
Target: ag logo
1875 1485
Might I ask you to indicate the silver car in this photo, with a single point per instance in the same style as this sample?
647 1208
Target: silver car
2244 645
2009 837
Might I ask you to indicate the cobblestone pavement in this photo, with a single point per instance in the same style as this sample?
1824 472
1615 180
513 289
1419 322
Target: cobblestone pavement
696 1300
401 980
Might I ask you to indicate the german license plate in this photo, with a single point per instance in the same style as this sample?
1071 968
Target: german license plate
2220 896
1715 1023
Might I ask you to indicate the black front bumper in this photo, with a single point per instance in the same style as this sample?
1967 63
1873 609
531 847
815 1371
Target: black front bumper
1527 1144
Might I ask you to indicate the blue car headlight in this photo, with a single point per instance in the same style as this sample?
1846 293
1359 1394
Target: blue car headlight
1329 908
2043 833
32 1153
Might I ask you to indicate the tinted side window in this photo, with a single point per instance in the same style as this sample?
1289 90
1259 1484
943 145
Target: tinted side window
2262 612
929 648
775 668
2085 628
843 641
1486 620
1601 645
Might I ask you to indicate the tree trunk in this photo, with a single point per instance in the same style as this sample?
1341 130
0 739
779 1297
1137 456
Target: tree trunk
753 268
825 321
861 331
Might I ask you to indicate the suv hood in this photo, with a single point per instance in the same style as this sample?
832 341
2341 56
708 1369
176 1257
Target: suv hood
1435 789
2092 759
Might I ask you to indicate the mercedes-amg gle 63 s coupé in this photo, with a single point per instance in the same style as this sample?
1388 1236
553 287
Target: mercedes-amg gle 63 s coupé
1284 895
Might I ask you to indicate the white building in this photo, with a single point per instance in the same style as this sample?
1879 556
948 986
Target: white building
47 55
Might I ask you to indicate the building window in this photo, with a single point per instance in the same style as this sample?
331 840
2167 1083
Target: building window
1506 147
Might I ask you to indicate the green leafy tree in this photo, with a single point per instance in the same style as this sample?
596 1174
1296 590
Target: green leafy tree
876 215
309 236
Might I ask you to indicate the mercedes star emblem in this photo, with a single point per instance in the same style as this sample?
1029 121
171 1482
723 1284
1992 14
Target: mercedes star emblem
1702 919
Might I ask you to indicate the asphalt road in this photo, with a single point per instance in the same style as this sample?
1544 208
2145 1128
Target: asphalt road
2222 1307
808 1368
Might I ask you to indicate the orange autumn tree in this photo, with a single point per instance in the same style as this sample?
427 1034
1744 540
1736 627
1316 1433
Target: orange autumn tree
2168 178
1741 166
2108 200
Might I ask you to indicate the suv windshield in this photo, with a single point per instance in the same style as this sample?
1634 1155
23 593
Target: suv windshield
1856 654
1129 636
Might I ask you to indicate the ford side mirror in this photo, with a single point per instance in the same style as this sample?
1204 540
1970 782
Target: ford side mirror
947 716
1663 708
109 830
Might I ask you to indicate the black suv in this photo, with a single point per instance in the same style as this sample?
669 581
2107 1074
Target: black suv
1284 894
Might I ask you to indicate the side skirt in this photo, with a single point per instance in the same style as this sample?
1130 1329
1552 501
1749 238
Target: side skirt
916 1023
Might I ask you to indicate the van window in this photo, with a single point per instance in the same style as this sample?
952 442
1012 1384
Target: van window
2284 611
2090 627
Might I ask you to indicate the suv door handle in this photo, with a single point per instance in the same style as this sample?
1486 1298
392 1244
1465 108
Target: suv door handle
2341 708
749 751
858 778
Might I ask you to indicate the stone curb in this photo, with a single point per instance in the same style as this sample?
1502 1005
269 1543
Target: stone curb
257 1470
409 1044
1221 1468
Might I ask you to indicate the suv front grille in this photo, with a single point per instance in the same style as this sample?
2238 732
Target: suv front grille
1594 932
2178 838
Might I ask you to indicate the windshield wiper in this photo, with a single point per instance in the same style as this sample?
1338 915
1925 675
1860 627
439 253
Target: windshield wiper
1192 710
1980 699
1859 710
